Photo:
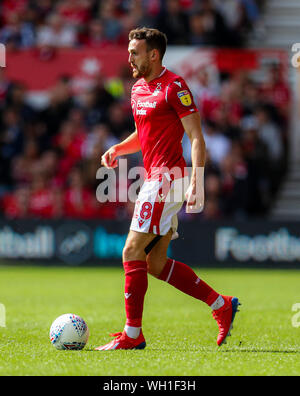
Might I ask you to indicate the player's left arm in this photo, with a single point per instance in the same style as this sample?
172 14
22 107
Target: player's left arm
195 192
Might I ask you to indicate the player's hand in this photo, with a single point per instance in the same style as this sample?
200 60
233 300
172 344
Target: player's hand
108 159
195 193
194 199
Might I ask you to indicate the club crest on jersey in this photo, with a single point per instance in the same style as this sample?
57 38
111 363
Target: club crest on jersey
157 89
185 97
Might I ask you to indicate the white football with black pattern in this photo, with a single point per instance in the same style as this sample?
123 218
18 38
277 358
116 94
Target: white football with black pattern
69 331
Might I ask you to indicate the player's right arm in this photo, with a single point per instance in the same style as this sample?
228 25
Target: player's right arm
128 146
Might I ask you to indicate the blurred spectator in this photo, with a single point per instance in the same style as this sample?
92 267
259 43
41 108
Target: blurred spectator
205 87
49 163
101 137
252 8
69 141
16 99
42 8
18 33
275 91
230 101
137 13
41 196
95 35
250 97
234 178
12 142
94 113
108 13
9 7
256 155
119 123
79 200
4 86
211 209
212 185
208 27
24 165
120 87
105 98
213 193
55 33
217 144
61 102
239 16
174 22
270 134
74 12
16 205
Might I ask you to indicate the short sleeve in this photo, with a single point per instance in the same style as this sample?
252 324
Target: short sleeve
179 96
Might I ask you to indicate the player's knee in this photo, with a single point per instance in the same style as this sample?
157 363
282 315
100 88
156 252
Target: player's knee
128 251
132 251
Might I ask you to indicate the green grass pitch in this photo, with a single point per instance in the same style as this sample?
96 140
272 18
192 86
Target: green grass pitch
180 332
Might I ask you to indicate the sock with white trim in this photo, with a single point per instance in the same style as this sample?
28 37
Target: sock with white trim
218 303
132 332
183 278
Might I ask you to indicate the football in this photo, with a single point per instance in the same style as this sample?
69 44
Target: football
69 331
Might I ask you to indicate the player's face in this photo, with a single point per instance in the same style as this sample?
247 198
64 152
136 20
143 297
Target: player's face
139 58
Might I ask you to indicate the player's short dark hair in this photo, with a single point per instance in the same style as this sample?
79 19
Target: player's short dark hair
154 39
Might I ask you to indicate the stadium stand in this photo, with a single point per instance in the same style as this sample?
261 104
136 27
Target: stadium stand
49 157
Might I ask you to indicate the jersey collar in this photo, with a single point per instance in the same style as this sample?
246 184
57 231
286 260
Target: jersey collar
163 72
156 78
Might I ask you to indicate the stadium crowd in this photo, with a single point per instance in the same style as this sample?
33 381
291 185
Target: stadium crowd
50 157
96 23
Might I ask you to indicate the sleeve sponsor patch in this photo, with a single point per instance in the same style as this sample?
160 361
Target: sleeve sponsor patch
185 97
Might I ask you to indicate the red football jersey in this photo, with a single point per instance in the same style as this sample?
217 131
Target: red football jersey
158 107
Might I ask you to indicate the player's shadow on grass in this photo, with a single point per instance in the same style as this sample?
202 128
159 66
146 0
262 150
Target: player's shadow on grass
235 350
249 350
220 350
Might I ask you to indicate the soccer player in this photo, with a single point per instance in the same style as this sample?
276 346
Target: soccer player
163 109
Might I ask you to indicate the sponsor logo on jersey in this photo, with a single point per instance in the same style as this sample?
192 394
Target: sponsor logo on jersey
185 97
141 112
140 108
146 104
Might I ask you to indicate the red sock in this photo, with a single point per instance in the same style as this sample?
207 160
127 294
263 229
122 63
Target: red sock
184 278
136 283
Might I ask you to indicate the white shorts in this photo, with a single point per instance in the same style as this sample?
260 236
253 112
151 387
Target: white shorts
157 205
